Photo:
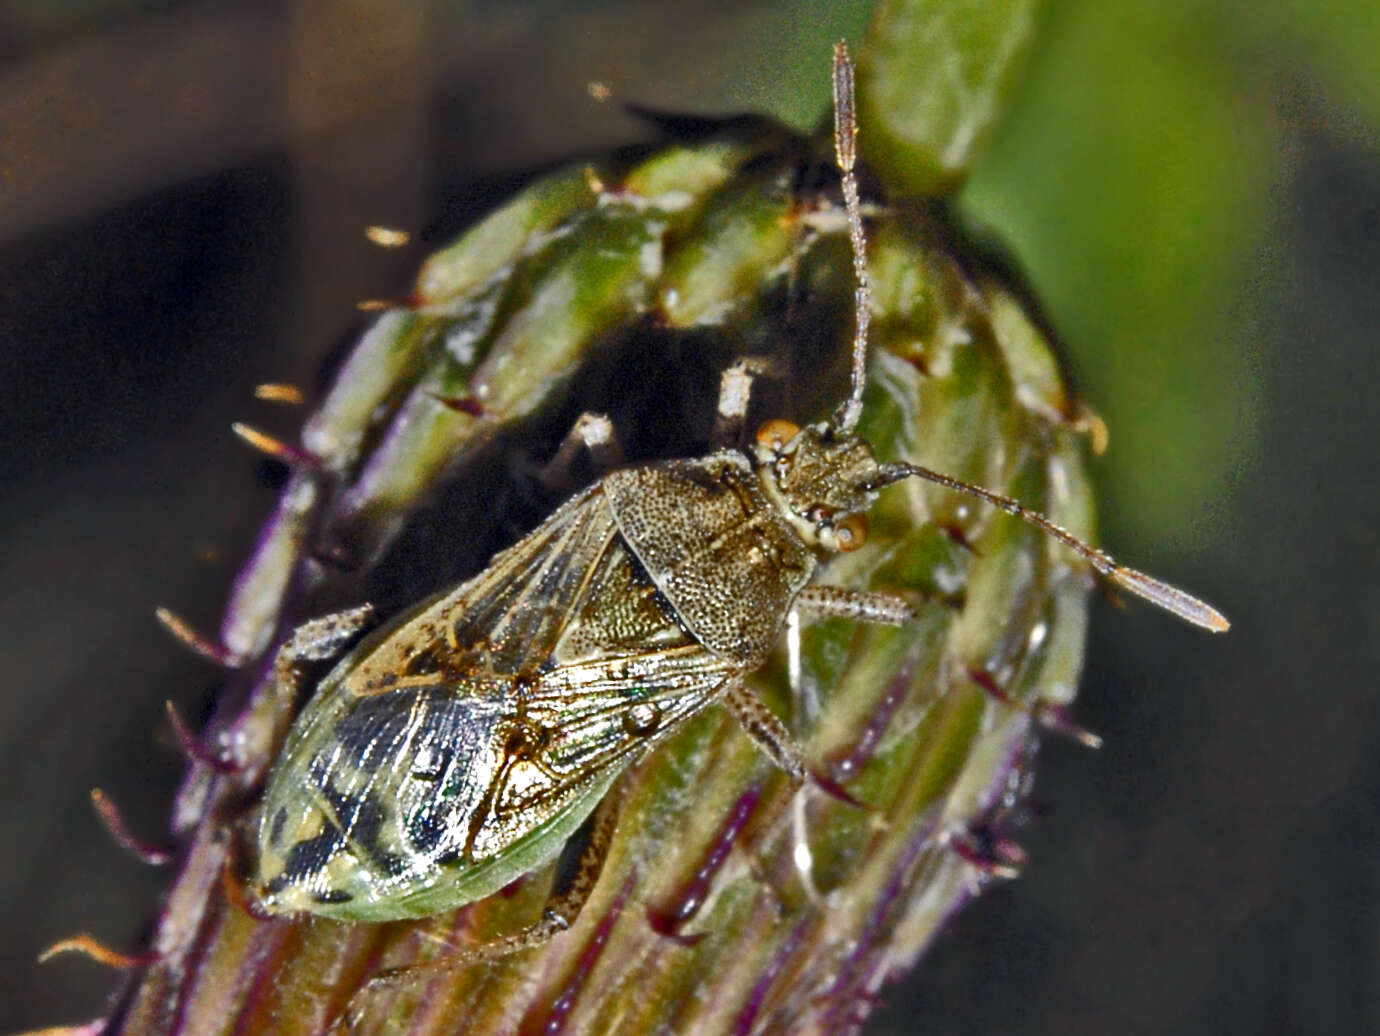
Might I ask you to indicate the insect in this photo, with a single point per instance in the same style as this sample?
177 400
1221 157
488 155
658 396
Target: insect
461 745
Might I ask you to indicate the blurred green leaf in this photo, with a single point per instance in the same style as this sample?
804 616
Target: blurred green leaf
932 81
1333 40
1135 148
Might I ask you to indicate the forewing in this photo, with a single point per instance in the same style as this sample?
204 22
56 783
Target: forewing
623 674
454 749
391 767
597 730
506 620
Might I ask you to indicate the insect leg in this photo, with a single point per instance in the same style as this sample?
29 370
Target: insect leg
577 873
771 735
316 641
861 605
766 728
735 393
593 433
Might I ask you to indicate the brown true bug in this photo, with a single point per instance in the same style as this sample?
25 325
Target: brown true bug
463 744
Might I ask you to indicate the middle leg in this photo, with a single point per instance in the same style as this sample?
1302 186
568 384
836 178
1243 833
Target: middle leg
771 735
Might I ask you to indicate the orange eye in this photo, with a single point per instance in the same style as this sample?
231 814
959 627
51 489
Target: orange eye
851 532
776 433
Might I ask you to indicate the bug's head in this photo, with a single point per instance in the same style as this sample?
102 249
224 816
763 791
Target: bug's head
819 478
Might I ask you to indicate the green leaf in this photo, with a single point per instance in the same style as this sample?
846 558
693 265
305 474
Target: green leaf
931 82
1132 180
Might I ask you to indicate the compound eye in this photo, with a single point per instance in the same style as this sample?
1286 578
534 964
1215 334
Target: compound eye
851 532
776 433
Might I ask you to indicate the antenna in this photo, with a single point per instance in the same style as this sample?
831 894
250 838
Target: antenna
1157 592
845 153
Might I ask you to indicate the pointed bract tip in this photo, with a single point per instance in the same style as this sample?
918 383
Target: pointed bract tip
193 749
115 824
89 946
190 638
279 392
93 1028
1056 719
387 237
293 456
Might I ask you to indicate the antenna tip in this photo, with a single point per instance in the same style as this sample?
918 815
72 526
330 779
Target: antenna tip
1217 622
1170 598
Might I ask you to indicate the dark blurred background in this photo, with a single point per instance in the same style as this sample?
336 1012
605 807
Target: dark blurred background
1194 189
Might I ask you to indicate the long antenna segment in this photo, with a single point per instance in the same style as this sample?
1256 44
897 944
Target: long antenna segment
1156 591
845 153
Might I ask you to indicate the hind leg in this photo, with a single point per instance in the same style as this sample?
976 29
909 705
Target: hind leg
317 640
577 874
